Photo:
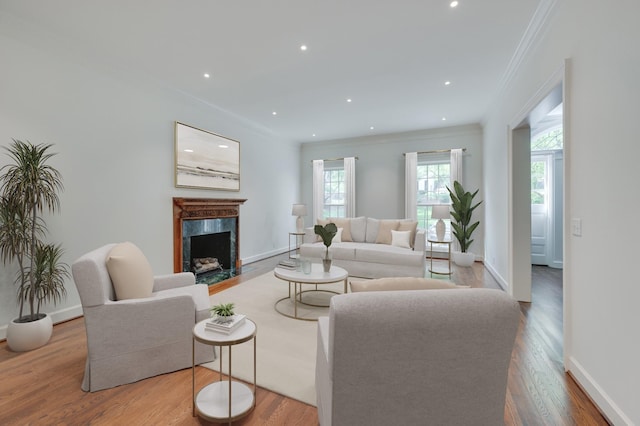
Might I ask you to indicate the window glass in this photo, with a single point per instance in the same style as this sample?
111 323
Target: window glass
433 178
334 192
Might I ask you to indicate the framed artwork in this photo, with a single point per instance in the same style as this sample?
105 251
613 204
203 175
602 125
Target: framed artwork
206 160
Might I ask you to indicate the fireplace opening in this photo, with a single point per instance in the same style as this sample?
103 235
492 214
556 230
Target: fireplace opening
210 253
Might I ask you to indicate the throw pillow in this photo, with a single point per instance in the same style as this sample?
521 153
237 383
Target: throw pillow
400 238
358 228
373 226
130 272
384 231
409 225
344 224
338 237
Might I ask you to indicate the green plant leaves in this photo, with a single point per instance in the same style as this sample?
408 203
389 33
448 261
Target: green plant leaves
461 203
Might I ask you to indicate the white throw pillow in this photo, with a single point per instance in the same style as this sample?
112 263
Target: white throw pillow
401 238
338 237
130 272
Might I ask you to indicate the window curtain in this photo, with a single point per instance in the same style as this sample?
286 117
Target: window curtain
350 186
411 185
318 190
456 166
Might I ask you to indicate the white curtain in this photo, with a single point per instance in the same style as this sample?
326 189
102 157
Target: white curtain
411 185
350 186
456 166
318 190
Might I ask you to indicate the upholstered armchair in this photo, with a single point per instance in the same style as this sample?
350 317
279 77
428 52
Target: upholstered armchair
415 357
138 325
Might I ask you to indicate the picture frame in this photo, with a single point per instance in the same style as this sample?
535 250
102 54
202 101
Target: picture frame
205 159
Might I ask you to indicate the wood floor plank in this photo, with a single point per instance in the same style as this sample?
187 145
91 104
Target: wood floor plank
42 387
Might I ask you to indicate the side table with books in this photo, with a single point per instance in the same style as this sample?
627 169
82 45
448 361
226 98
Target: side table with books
224 400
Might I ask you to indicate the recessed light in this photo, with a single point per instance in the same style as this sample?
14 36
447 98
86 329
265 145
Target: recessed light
314 135
446 83
206 75
188 150
453 3
348 99
371 128
274 113
444 118
303 47
223 146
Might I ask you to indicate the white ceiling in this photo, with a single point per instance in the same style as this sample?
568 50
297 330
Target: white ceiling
391 58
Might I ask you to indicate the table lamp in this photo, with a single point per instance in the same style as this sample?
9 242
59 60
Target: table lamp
440 212
299 210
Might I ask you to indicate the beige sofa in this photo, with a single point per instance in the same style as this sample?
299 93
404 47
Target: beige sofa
372 248
415 357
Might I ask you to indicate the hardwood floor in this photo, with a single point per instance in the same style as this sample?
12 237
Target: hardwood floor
42 387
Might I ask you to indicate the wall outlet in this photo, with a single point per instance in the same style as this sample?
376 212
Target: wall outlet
576 227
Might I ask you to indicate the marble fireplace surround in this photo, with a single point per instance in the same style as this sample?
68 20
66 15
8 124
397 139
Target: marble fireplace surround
203 208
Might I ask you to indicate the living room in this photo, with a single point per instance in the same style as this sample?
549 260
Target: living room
113 130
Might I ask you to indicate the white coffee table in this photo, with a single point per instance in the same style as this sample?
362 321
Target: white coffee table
316 277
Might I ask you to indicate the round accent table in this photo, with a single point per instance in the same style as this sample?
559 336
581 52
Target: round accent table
433 270
230 400
316 277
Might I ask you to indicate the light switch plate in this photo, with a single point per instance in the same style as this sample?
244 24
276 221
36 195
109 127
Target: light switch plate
576 227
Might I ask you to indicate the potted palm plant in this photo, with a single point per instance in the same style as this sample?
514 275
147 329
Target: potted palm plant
29 187
461 203
326 232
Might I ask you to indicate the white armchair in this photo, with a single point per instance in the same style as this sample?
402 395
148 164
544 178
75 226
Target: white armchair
415 357
132 339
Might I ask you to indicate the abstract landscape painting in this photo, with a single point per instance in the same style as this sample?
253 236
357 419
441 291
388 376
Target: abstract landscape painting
206 160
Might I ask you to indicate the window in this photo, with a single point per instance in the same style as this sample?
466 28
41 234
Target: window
434 175
334 192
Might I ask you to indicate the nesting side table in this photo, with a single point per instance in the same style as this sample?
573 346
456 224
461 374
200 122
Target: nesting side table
220 400
433 270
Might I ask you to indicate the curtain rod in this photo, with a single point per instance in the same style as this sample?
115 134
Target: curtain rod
334 159
437 151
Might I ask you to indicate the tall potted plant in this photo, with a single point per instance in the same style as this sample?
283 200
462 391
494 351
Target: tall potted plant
326 232
29 187
463 207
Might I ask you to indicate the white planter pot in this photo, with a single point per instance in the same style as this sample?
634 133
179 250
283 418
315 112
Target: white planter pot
26 336
463 259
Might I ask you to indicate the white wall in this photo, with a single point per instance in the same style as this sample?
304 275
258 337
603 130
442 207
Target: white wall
113 132
601 292
380 168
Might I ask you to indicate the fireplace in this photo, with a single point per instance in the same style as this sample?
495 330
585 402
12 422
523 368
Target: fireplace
206 238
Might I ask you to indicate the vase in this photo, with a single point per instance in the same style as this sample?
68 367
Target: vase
326 261
463 259
26 336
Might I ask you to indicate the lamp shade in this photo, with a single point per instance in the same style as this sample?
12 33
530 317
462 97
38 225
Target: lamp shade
299 210
440 211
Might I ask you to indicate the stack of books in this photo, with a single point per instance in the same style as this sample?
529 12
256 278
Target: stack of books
287 264
225 327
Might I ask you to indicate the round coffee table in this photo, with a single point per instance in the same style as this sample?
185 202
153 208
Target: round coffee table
316 277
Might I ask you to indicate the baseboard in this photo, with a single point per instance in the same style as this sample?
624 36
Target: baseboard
275 252
600 399
501 281
58 316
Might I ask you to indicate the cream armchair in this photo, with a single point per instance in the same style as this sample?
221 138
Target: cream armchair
135 338
415 357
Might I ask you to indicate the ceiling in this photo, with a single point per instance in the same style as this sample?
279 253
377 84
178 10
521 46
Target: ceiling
391 58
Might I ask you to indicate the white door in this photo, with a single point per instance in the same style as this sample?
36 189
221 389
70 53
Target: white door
540 203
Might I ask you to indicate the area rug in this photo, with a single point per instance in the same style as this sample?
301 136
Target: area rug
285 347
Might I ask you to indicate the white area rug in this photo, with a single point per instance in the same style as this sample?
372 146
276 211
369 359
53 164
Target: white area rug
286 347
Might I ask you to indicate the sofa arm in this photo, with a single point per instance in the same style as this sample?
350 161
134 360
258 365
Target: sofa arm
420 243
309 235
165 282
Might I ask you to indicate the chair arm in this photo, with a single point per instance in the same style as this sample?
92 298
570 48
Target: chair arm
137 324
420 243
165 282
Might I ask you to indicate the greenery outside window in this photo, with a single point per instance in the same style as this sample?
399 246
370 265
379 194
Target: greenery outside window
434 175
334 192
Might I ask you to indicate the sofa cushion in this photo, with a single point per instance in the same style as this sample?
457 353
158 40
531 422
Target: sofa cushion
344 224
130 272
358 229
343 251
401 283
384 231
400 238
372 230
386 254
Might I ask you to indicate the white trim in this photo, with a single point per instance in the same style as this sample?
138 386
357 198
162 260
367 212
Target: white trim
494 273
605 404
